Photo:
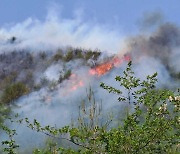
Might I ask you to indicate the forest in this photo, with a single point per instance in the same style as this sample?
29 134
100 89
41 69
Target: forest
149 122
80 85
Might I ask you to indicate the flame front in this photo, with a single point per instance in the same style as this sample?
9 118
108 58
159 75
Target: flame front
77 82
106 67
101 69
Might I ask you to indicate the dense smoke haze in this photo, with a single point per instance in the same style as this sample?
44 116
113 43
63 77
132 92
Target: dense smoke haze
156 48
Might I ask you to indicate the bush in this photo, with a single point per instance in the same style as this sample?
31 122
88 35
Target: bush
66 75
92 54
88 54
58 55
69 56
8 80
79 53
4 112
151 124
13 92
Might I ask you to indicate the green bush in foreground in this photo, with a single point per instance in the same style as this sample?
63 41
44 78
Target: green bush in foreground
4 112
151 124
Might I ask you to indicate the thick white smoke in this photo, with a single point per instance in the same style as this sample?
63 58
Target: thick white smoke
55 32
58 106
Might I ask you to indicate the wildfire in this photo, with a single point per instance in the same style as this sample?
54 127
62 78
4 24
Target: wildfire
101 69
77 82
106 67
77 85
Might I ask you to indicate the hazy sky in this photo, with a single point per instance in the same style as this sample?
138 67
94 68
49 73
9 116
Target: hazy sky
122 13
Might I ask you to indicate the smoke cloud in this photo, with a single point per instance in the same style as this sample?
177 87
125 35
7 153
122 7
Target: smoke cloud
56 32
162 45
156 51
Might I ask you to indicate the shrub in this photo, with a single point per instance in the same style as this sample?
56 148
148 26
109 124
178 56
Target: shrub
92 54
88 54
69 55
13 92
79 53
8 80
66 75
151 124
58 55
4 112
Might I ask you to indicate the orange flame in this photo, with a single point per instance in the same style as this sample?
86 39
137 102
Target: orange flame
77 85
106 67
101 69
77 82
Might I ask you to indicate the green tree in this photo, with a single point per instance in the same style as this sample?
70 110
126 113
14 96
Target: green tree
69 55
58 55
151 124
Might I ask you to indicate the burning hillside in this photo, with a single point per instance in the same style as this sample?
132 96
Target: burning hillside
99 70
57 75
105 67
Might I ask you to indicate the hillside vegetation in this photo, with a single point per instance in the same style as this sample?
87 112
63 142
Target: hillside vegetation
150 125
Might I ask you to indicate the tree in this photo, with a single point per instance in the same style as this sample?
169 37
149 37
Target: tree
58 55
69 55
151 126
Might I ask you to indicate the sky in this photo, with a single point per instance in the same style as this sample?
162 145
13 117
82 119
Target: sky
122 14
89 24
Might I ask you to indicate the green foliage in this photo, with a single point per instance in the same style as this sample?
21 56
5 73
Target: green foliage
96 54
8 80
151 124
58 55
92 54
76 53
79 53
13 92
69 55
10 145
66 75
4 112
50 148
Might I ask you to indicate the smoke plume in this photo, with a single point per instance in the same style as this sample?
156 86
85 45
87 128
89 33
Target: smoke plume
154 51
